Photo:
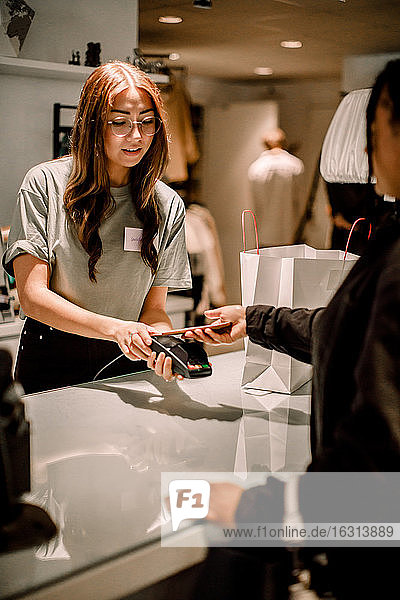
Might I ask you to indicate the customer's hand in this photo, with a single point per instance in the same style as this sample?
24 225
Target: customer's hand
224 501
340 222
234 314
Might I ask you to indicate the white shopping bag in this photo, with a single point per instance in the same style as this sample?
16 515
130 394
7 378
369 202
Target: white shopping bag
293 276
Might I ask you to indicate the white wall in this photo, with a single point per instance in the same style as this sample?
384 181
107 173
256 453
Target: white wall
306 109
26 103
360 71
231 143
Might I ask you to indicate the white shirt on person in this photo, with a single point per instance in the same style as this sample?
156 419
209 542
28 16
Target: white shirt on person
275 188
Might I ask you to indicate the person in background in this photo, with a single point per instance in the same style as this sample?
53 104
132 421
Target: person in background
97 239
275 190
354 347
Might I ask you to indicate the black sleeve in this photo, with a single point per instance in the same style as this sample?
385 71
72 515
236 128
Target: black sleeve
325 497
287 330
262 504
368 438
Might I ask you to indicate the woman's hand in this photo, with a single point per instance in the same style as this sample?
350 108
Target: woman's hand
134 339
162 366
234 314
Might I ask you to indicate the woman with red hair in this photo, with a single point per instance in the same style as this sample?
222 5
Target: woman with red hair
97 240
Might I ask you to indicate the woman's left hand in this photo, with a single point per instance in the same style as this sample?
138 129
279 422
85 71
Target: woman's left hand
140 349
162 366
154 312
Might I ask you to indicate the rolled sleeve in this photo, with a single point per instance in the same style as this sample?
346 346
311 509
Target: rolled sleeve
173 269
28 233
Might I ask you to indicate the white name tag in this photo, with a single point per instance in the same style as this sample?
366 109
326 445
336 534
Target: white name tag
133 239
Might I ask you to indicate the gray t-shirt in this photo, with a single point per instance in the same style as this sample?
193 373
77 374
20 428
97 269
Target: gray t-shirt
40 228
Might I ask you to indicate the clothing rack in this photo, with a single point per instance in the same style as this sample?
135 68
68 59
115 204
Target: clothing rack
155 66
6 296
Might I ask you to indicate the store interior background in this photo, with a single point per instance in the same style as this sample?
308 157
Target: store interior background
236 109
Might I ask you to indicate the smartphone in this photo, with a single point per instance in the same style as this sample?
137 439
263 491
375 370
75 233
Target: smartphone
216 327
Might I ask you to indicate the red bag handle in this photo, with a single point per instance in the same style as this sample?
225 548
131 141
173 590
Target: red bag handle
351 232
244 229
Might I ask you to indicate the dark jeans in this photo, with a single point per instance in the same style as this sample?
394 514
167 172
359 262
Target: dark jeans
241 573
49 358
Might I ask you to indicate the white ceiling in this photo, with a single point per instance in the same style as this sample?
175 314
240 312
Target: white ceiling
235 36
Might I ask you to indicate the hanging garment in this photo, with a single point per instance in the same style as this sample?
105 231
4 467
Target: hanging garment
275 189
203 243
183 144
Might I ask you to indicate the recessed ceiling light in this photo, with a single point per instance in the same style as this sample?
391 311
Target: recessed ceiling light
291 44
202 3
263 71
289 2
170 19
174 56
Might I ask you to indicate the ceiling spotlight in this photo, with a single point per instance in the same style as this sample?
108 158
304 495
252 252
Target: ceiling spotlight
263 71
291 44
170 20
174 56
202 3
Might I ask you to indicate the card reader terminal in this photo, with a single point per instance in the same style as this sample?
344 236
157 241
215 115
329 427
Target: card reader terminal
189 359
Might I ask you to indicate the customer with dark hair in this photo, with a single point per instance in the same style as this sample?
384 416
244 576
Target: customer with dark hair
97 239
354 347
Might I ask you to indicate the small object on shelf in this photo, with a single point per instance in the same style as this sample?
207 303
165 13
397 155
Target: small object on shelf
93 54
76 58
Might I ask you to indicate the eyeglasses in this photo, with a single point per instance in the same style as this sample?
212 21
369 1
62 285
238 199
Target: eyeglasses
121 126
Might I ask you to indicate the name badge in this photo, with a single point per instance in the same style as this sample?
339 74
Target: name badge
133 239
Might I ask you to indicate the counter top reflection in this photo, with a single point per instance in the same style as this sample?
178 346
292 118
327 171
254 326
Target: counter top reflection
98 451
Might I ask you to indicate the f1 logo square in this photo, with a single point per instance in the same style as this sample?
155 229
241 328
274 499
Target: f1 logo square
189 499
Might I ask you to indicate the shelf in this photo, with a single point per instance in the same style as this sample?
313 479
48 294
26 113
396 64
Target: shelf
52 70
41 68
